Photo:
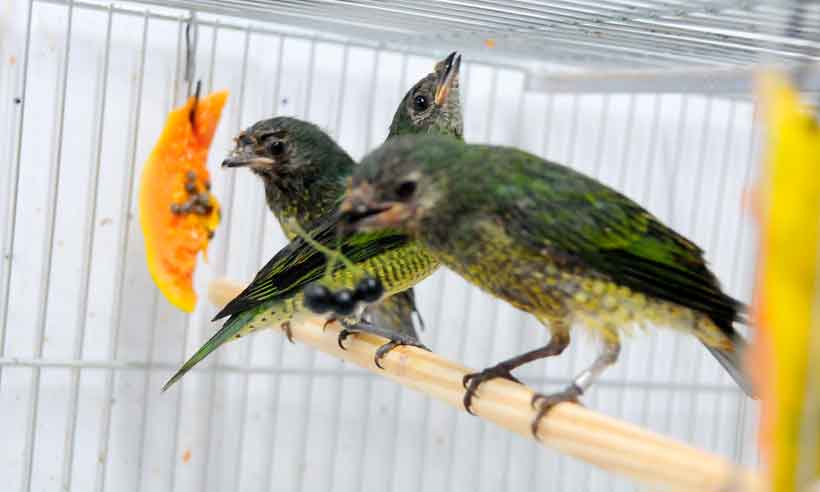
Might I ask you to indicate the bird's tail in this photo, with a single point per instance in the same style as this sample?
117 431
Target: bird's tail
732 362
228 331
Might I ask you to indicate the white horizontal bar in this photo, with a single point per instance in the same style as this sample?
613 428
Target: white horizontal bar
319 372
735 80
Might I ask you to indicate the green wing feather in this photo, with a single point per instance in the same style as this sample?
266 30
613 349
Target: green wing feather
286 274
547 205
299 264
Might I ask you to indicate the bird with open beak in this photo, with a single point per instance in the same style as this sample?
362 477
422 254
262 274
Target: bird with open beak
548 240
303 173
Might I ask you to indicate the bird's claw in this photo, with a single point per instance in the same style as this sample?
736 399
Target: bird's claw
288 331
472 381
398 341
545 403
327 322
343 336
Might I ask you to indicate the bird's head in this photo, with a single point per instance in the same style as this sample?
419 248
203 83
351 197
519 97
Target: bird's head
432 105
283 148
400 185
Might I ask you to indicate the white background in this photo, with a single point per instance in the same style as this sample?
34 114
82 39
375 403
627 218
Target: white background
281 417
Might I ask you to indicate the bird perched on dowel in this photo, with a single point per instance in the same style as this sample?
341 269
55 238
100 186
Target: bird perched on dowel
304 173
548 240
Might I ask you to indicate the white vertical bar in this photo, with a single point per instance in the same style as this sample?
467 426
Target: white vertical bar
186 333
573 130
715 233
524 318
14 181
368 389
462 346
146 380
622 166
152 333
550 108
742 410
122 248
704 140
279 342
398 392
311 362
698 362
227 212
629 126
425 421
573 362
339 380
600 143
599 161
42 314
254 261
90 229
676 162
646 194
545 150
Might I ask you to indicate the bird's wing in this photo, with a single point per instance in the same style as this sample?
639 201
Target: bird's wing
546 205
298 263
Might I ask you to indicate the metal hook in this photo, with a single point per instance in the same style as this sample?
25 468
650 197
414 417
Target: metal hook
190 51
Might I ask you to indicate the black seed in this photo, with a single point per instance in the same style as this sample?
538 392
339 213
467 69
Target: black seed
210 235
176 208
190 187
208 185
369 289
345 302
318 298
190 176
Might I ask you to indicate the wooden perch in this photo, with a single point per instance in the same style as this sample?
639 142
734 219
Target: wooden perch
571 429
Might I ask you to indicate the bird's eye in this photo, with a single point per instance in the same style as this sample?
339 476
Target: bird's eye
277 147
420 103
405 190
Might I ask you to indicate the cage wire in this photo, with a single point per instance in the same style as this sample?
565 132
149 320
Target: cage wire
651 97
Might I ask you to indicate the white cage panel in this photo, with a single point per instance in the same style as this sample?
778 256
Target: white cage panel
86 341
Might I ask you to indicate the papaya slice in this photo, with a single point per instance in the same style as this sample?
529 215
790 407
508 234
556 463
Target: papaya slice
177 211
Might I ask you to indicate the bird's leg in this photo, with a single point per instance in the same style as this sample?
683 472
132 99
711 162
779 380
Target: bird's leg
395 339
558 342
579 385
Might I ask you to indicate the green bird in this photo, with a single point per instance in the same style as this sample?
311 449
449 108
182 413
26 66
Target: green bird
548 240
304 172
274 297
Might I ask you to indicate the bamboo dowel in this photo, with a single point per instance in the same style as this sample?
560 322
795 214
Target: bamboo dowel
571 429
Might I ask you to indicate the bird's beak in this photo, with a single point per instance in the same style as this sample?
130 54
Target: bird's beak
244 156
448 75
359 211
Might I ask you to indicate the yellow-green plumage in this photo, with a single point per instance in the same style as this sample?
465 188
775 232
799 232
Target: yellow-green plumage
561 294
398 269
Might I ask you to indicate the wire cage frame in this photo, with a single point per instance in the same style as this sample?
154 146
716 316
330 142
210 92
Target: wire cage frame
86 341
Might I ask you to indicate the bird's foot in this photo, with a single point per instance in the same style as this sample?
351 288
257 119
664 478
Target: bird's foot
288 331
544 403
472 381
395 339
